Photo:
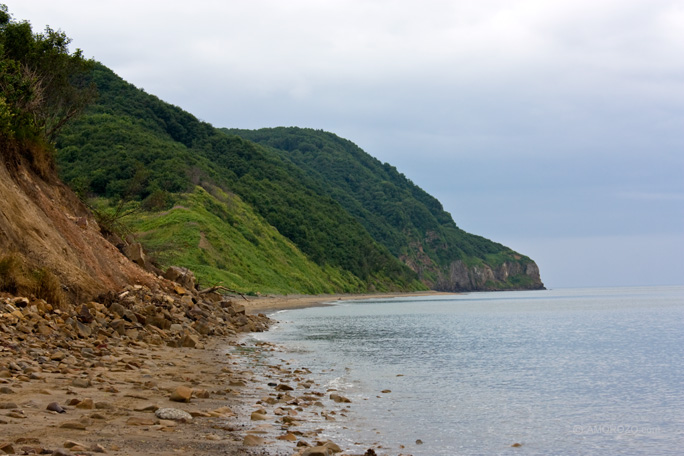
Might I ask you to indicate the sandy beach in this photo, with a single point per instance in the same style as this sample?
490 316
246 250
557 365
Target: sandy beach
228 395
269 304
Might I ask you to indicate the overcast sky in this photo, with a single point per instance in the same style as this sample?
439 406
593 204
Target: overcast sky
555 127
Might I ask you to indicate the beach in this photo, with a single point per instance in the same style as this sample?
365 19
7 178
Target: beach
129 395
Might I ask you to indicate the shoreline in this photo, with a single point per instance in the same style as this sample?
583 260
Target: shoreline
243 398
274 303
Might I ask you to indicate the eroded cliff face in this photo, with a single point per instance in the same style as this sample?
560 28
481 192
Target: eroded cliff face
44 222
507 276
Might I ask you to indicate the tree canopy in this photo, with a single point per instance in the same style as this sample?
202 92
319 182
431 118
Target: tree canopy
42 84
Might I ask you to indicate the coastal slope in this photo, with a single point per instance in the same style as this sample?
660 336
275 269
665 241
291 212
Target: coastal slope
412 224
360 222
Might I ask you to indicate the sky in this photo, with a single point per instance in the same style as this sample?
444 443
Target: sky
555 127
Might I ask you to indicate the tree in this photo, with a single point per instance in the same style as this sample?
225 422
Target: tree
42 84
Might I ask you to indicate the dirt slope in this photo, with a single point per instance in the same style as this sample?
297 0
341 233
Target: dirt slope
44 222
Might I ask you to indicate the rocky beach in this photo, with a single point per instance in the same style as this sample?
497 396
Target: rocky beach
156 372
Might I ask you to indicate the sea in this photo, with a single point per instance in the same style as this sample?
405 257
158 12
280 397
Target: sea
596 371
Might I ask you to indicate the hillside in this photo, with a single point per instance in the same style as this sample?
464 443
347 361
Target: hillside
360 224
130 145
400 215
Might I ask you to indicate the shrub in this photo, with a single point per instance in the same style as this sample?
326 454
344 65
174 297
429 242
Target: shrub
18 278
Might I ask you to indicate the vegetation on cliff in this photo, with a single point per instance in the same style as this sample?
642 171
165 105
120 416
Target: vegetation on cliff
343 209
397 213
130 145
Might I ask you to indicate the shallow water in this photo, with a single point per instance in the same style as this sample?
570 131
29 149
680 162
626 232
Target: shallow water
569 371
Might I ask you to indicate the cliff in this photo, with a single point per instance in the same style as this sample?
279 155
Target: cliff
44 226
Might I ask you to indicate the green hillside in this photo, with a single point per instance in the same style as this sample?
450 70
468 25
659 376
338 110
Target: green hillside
398 214
130 145
355 223
222 240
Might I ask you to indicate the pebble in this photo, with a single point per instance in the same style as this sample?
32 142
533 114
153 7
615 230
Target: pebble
81 382
253 440
55 407
139 421
173 414
86 404
73 425
338 398
258 416
181 394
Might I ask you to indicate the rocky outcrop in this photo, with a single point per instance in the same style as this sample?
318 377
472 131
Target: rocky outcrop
509 275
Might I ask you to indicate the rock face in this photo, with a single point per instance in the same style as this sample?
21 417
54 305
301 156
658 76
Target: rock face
508 275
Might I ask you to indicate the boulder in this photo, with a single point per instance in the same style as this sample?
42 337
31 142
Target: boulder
181 276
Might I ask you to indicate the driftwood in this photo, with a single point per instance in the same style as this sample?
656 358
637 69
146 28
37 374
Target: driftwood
221 287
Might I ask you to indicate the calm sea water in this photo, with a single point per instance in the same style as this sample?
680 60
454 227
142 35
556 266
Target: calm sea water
569 371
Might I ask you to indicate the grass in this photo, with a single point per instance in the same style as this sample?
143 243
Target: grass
223 241
21 279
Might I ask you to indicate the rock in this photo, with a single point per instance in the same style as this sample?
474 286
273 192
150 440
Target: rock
70 444
139 421
317 451
74 425
136 254
55 407
86 404
6 448
258 416
19 414
332 446
419 442
181 394
8 405
81 382
58 356
202 394
84 315
253 440
386 391
222 412
289 437
146 408
182 276
516 445
190 341
284 387
173 414
339 399
104 406
6 390
97 448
